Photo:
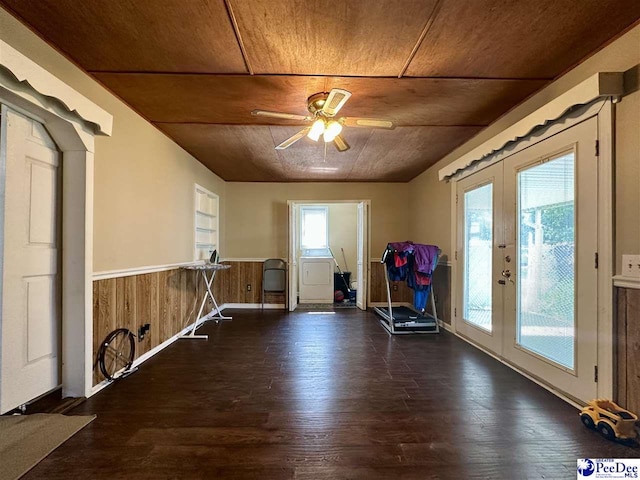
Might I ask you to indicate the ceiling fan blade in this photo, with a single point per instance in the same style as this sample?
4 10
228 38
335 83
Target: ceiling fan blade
286 116
293 139
335 101
341 144
368 122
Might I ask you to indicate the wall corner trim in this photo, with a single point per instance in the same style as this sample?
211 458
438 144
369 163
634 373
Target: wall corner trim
600 85
621 281
28 80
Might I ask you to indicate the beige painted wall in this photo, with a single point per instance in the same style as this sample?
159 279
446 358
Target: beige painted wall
431 216
628 169
431 199
343 233
144 182
257 223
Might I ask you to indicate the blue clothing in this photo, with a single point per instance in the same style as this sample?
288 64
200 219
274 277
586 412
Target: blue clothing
420 299
414 263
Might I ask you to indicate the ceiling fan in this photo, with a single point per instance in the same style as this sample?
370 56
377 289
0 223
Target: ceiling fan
323 108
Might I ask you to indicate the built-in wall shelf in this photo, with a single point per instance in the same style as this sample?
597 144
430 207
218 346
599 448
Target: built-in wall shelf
206 223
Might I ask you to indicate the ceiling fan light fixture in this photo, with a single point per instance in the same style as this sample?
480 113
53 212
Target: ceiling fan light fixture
316 130
332 131
323 108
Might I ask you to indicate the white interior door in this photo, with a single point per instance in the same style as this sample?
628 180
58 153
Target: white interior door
527 243
363 257
30 324
551 299
293 256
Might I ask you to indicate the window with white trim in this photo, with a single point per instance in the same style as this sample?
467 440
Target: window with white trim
314 227
206 223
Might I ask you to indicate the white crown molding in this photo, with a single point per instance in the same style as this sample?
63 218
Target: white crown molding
28 80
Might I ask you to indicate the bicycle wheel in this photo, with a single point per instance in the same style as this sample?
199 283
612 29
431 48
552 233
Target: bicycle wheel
116 353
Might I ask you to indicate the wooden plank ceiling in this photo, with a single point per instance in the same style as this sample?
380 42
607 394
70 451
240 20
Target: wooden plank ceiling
441 69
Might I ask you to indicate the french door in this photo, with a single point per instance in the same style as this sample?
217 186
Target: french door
479 203
526 247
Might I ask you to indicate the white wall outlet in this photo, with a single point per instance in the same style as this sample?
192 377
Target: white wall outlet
631 266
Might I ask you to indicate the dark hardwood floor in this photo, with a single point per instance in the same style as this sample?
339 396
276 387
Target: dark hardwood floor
297 396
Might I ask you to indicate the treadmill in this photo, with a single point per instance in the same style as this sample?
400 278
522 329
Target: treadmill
401 320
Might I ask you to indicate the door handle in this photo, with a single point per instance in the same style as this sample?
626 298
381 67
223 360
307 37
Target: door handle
506 274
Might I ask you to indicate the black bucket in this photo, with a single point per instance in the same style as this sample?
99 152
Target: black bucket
340 284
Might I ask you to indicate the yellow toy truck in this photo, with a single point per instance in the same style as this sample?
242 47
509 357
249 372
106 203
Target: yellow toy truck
611 420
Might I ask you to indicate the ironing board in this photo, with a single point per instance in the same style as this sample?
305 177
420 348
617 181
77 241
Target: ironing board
211 269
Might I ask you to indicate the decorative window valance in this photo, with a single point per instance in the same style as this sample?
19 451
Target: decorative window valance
24 78
599 86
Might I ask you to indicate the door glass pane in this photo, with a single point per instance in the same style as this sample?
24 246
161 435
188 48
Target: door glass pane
478 240
546 258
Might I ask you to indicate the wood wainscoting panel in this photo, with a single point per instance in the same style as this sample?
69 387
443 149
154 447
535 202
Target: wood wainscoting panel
627 374
104 316
230 285
442 292
633 349
620 349
165 300
143 308
379 289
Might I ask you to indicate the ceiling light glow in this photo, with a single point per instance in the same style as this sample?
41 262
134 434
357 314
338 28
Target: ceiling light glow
333 130
316 130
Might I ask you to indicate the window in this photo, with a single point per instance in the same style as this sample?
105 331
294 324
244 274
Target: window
478 244
314 227
206 223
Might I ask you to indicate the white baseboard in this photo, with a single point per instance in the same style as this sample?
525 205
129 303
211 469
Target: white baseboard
252 306
393 304
143 358
446 326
